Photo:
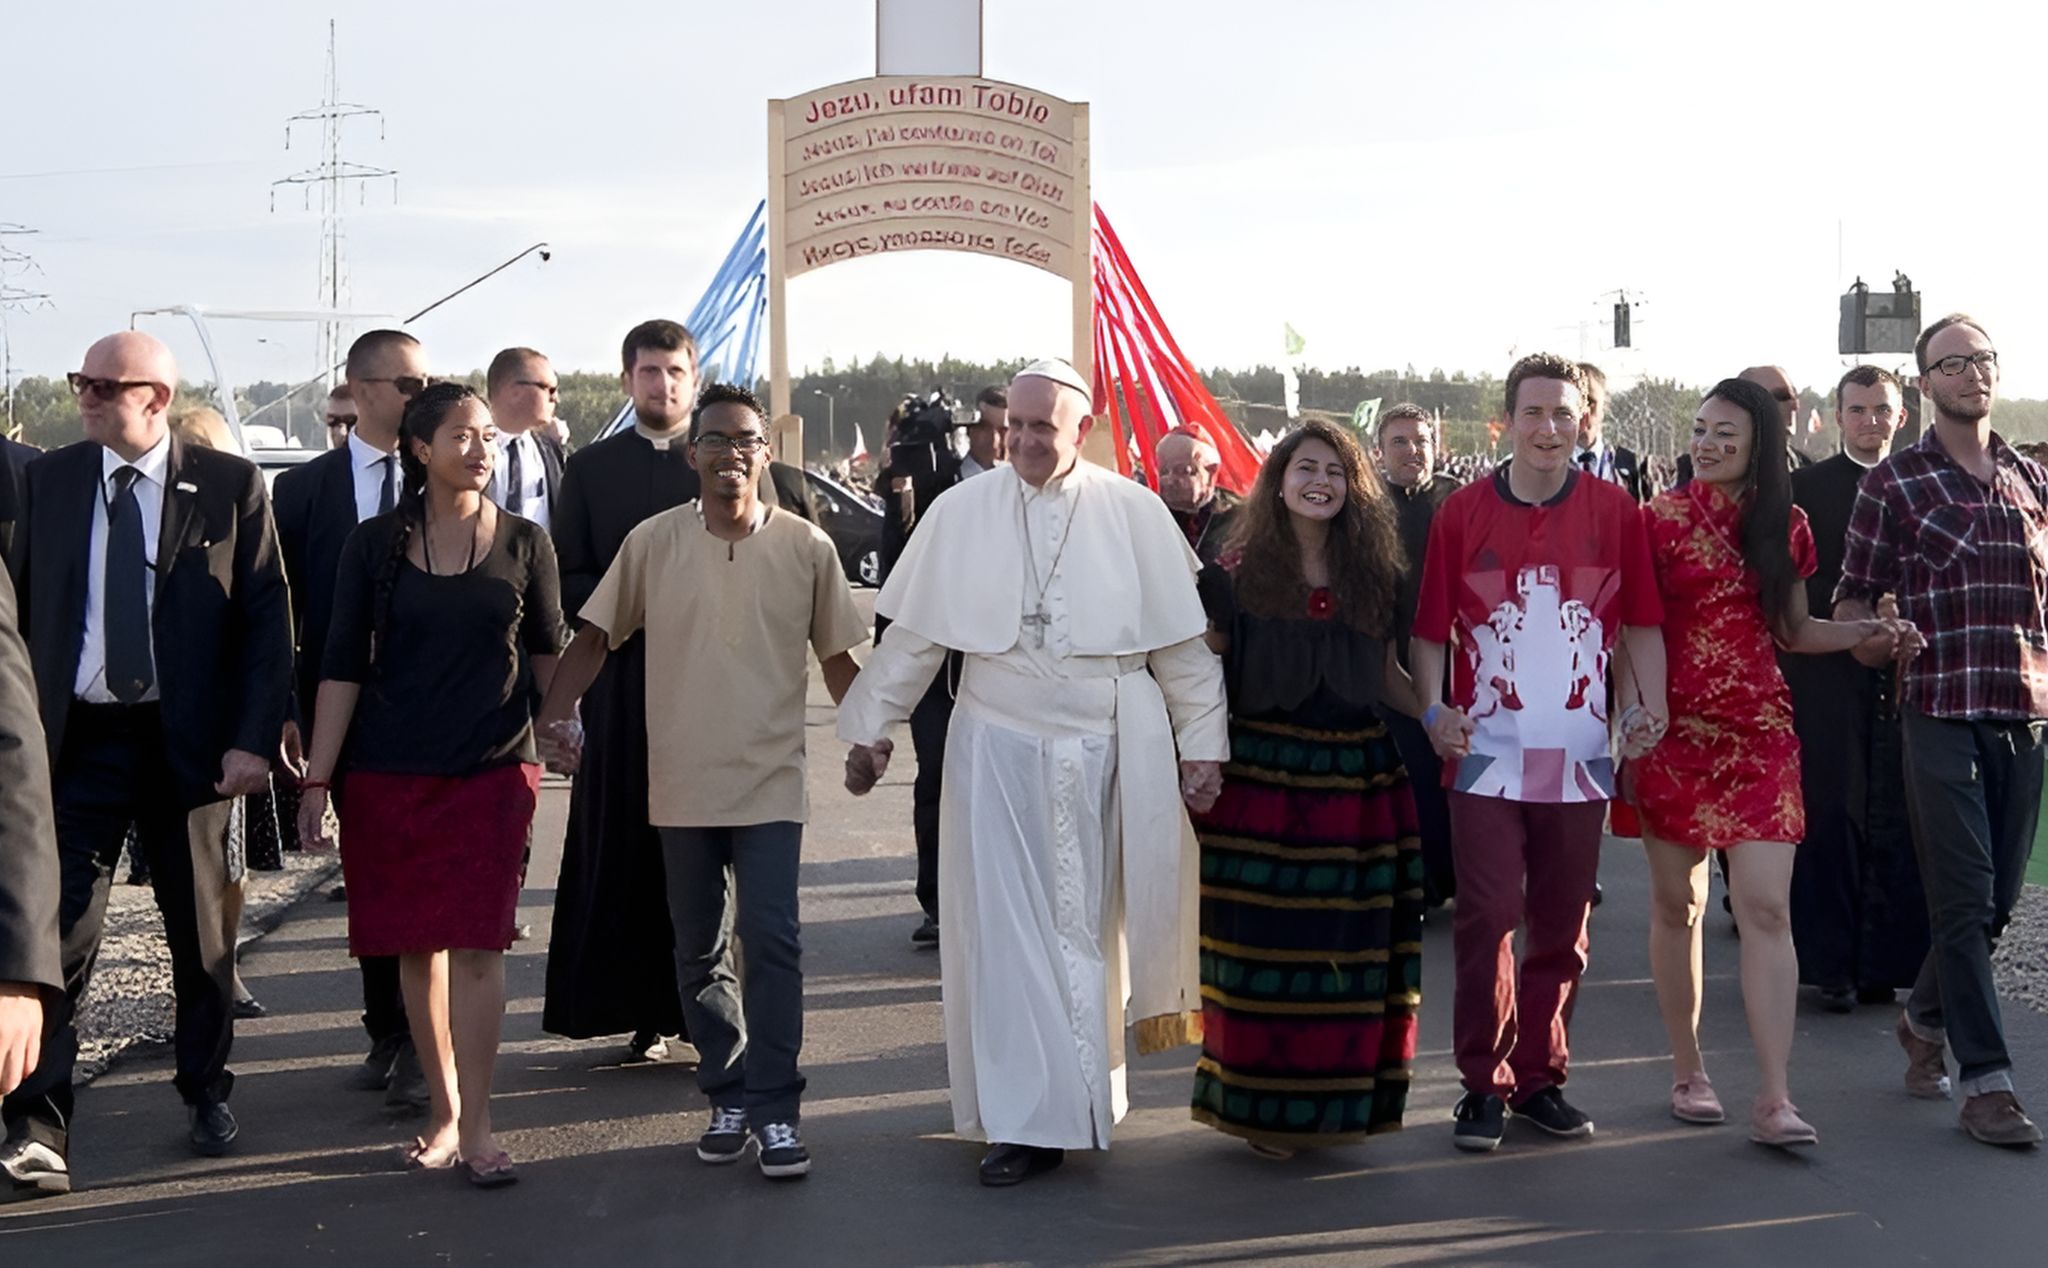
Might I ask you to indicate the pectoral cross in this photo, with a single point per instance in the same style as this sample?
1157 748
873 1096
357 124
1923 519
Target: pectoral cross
1041 620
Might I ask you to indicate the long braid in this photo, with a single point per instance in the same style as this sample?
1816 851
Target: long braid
423 415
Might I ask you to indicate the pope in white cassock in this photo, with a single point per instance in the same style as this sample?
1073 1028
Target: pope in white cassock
1067 877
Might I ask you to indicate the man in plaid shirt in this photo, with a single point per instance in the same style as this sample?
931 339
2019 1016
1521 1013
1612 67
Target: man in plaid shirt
1956 527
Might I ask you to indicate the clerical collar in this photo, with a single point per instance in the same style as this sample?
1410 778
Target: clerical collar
659 439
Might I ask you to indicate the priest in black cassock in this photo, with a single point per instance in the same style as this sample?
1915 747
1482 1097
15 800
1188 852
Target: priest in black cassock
1859 916
611 955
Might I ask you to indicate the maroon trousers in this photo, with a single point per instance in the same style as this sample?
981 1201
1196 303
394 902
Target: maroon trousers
1519 863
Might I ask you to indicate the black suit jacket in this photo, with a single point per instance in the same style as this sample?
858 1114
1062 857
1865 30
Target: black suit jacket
1632 475
14 460
28 833
553 457
316 511
221 627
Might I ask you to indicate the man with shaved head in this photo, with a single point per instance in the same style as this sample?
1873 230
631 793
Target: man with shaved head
1774 379
1065 857
157 622
1188 463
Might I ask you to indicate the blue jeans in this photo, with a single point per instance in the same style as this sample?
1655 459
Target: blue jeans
747 1032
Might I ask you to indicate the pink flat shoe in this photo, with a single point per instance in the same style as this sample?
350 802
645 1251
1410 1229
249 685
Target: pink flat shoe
1693 1101
1779 1126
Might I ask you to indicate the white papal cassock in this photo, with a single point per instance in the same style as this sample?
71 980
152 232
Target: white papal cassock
1067 874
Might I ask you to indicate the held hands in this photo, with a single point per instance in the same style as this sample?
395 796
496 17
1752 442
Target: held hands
21 1033
1201 783
1450 731
1641 728
242 773
561 746
1887 639
865 766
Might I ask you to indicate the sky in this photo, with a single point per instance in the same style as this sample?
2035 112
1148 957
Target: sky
1442 185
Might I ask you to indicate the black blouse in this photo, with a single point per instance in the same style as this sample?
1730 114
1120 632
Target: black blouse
1301 671
452 690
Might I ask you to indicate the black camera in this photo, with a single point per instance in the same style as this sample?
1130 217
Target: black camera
922 464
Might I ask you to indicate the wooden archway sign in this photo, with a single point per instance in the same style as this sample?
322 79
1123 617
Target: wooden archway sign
914 163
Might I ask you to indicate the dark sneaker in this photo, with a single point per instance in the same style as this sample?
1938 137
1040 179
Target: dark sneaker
1550 1111
783 1156
726 1139
408 1092
1480 1118
646 1045
30 1169
926 934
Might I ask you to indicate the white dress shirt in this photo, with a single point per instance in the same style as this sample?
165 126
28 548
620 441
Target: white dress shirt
155 466
533 478
367 462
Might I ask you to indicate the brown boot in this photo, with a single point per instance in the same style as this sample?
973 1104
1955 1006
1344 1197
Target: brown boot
1997 1119
1926 1070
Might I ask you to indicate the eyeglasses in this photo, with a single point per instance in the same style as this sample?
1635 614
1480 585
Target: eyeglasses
407 385
1985 361
719 442
341 420
104 389
552 390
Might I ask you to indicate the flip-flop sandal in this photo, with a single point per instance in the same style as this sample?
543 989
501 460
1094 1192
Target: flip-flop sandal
495 1178
413 1157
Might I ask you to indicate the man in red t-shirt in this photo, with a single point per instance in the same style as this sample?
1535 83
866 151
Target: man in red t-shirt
1533 573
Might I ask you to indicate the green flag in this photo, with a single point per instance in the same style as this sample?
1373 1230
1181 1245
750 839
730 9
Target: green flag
1367 413
1294 341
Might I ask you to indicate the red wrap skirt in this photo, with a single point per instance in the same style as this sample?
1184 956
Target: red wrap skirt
433 862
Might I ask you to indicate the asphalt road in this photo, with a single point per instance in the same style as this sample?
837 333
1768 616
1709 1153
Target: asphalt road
608 1178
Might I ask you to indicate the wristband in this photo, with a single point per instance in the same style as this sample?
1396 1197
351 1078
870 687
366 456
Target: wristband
1432 713
307 785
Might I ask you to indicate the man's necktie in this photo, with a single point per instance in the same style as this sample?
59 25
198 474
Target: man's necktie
1588 459
124 609
515 480
387 497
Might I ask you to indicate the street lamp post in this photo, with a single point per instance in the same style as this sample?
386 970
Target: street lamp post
831 422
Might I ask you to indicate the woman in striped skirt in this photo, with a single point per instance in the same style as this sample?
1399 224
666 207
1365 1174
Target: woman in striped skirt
1311 951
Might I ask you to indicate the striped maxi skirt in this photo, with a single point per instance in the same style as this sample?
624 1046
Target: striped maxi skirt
1311 949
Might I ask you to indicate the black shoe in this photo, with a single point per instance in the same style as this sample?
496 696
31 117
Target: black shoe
1550 1111
1599 894
783 1156
249 1008
927 934
1481 1117
339 894
1876 995
213 1128
30 1169
408 1092
374 1074
726 1139
1005 1165
646 1045
1838 999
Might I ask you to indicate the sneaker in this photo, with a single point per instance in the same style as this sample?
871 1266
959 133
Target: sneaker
646 1046
1550 1111
926 934
1838 999
1997 1119
783 1156
408 1092
30 1169
374 1074
726 1139
1926 1068
1481 1117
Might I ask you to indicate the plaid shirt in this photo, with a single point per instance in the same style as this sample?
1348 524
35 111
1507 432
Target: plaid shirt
1969 565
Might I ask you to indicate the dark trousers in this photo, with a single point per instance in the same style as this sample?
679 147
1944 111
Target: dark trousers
748 1026
929 722
1974 792
383 1002
114 773
1531 864
1432 809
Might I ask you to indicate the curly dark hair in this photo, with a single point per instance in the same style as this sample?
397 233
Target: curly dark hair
1364 552
725 394
423 417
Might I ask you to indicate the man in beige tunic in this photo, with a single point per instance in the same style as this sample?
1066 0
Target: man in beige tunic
1067 884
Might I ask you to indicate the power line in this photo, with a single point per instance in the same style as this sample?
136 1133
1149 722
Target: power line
331 177
14 263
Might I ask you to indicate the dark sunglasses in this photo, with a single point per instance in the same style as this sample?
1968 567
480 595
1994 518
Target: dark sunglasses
341 420
552 390
406 385
104 389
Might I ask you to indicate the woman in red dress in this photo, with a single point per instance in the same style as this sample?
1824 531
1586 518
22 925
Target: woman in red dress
1730 550
446 617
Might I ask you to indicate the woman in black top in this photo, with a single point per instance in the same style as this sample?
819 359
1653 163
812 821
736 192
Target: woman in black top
446 617
1311 922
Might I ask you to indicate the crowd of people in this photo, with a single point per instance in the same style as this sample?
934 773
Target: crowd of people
1192 766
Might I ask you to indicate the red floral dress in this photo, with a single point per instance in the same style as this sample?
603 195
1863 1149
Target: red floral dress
1727 771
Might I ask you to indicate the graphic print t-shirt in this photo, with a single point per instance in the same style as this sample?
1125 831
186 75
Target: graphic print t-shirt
1529 599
